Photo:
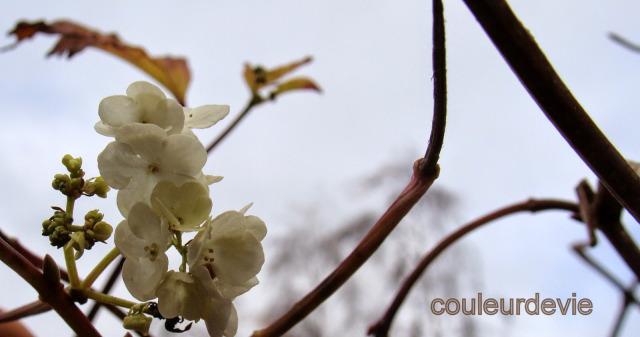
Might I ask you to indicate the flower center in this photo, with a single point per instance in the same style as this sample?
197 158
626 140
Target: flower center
152 251
153 168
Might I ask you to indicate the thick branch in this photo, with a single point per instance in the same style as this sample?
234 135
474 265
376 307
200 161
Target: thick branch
439 89
537 75
53 294
381 328
416 188
29 255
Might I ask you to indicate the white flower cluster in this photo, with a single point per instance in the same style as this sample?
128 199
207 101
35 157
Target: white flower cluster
155 163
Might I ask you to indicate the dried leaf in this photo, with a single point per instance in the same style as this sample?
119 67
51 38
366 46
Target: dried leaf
173 73
277 73
296 83
258 77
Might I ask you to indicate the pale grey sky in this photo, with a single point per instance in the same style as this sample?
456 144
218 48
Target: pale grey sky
372 59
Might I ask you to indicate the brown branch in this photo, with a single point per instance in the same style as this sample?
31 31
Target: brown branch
605 213
439 120
255 100
537 75
382 326
29 309
35 260
415 189
53 294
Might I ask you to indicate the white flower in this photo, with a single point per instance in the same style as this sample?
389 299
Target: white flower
143 155
143 239
144 103
184 207
229 249
181 294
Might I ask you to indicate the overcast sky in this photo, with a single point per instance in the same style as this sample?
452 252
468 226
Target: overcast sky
372 59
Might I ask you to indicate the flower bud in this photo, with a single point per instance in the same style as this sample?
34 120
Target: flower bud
101 187
50 270
72 164
137 322
79 243
59 237
92 217
60 182
102 231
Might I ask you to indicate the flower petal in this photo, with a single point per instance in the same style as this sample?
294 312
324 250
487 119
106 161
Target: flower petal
141 88
118 164
189 204
119 110
216 316
142 276
205 116
128 243
146 140
147 225
183 155
237 258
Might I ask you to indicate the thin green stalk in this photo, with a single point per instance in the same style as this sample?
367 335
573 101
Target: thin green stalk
107 299
100 267
70 203
70 261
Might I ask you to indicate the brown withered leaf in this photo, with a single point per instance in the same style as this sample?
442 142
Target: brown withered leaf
296 83
171 72
258 77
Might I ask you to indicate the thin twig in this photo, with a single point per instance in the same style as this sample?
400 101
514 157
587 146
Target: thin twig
439 120
624 42
537 75
617 325
111 281
580 251
255 100
382 326
29 309
53 294
416 188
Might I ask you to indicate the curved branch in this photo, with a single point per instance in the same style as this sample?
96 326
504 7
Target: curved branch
382 326
537 75
53 294
416 188
439 121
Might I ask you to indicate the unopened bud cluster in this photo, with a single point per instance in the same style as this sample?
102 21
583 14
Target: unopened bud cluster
59 227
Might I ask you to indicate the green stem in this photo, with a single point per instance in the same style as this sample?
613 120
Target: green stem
183 252
70 203
100 267
107 299
70 261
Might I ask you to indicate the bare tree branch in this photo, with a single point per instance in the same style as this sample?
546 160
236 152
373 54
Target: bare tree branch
415 189
439 121
624 42
382 326
53 294
537 75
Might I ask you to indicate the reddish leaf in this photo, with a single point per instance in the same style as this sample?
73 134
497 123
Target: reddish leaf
173 73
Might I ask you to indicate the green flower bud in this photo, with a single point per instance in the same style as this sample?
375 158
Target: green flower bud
59 237
76 184
92 217
72 164
137 322
79 243
102 231
60 182
101 187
